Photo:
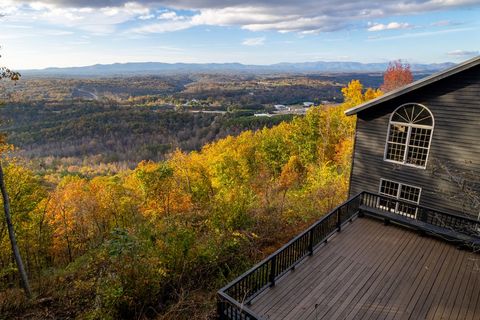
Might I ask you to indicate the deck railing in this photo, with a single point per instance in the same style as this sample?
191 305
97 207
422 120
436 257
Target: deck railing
233 299
429 219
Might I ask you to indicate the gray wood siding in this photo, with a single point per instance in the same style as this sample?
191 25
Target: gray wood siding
455 105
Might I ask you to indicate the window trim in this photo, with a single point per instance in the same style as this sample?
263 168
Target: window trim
400 184
409 127
397 197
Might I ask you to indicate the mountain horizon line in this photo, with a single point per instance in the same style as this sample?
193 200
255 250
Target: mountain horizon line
159 68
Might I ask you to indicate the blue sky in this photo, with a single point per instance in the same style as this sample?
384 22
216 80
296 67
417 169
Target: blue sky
38 34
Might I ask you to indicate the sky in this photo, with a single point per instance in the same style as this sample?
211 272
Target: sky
62 33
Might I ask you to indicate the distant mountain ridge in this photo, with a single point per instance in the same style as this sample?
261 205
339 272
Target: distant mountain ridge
159 68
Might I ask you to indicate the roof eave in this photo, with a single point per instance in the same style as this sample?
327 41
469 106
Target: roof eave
415 85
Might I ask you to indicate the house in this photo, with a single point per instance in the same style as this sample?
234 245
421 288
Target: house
280 107
392 250
420 143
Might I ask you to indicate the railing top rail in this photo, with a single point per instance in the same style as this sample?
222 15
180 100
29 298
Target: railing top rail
277 252
241 306
458 216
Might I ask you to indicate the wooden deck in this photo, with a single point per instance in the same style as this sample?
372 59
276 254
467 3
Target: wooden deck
372 271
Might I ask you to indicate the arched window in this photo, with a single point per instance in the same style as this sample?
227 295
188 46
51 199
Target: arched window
409 135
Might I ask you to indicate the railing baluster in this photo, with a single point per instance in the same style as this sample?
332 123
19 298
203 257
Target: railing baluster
273 268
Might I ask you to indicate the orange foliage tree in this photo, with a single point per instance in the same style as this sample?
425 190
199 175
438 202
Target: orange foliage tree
397 75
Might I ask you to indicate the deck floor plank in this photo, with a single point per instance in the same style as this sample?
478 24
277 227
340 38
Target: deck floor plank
302 277
321 301
459 304
309 308
321 276
474 304
449 289
440 275
424 291
418 281
353 308
475 292
443 290
374 272
405 253
381 306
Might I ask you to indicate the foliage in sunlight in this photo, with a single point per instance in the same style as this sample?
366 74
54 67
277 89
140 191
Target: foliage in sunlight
397 75
158 240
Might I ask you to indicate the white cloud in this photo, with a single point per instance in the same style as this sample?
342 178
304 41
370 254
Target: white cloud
95 20
259 41
419 34
441 23
146 17
56 33
307 16
162 27
462 53
170 15
238 16
389 26
16 26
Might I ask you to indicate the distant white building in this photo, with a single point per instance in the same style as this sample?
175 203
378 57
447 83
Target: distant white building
190 103
280 107
308 104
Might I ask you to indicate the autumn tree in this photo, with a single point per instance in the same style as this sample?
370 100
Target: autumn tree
397 75
25 193
354 94
6 73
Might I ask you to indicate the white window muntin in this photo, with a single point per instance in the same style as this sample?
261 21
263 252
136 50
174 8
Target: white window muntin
409 127
397 208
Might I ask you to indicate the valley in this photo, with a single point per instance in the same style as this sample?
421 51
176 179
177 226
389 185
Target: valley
99 126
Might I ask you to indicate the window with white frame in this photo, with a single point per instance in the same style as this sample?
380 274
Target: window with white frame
409 135
399 191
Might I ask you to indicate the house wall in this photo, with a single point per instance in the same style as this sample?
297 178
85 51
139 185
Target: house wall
455 105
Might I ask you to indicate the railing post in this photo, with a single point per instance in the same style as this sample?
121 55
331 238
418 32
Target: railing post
359 202
220 313
339 220
348 212
422 216
310 242
273 270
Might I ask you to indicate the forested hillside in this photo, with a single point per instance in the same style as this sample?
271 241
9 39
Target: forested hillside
159 240
104 125
81 134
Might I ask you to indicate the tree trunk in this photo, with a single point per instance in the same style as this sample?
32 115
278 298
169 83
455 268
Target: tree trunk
11 233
